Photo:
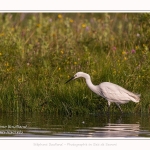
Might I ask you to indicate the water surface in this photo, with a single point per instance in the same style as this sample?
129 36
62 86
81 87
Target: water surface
54 126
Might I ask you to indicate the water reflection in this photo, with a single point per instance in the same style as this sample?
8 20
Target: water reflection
116 130
45 125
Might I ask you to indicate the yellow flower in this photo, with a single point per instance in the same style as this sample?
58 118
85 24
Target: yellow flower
6 64
83 25
123 52
2 34
62 51
8 69
137 47
0 54
59 68
75 63
38 25
59 16
71 21
125 58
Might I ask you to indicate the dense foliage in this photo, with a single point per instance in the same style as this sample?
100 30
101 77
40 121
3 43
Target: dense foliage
39 52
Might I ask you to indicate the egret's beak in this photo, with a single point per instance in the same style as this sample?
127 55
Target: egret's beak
69 80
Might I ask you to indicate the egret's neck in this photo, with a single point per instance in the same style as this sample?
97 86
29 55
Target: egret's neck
91 85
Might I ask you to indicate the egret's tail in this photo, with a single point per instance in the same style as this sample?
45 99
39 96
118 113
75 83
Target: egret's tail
136 97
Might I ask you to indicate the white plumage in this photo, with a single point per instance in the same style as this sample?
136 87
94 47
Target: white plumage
110 91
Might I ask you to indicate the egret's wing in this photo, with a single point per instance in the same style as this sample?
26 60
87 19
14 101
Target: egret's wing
115 93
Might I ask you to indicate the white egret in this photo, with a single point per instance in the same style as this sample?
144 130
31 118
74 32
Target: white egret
110 91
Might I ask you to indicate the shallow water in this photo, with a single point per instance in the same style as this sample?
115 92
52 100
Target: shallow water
54 126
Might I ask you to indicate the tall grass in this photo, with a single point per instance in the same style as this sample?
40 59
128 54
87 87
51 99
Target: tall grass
39 52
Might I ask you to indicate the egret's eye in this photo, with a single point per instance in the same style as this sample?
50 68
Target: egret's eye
75 75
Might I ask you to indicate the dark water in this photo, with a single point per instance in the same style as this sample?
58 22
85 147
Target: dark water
54 126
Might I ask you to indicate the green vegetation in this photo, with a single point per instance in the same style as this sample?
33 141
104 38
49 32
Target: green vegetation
39 52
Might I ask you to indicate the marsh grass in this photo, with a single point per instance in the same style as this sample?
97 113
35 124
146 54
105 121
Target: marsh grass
39 52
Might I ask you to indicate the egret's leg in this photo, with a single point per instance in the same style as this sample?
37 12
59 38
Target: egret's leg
119 107
109 107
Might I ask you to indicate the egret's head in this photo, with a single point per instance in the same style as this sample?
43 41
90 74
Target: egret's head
78 75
